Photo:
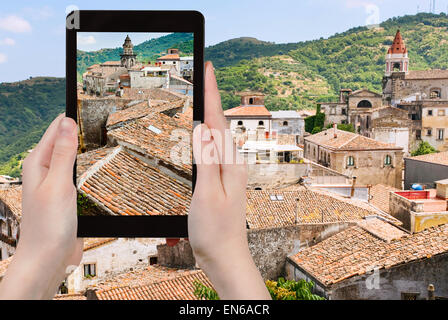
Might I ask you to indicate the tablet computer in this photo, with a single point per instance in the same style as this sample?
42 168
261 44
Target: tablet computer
135 88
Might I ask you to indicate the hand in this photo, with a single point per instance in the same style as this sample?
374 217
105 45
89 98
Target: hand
48 243
217 219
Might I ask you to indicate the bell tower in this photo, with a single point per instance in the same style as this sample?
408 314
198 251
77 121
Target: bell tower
128 58
397 57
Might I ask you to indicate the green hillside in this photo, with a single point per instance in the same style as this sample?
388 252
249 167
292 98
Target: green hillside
354 59
147 51
27 108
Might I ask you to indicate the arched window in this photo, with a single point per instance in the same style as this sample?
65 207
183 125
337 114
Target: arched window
240 123
285 123
364 104
350 161
388 160
261 123
397 67
435 94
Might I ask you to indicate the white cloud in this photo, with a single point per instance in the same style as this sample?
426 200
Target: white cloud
15 24
86 40
3 58
7 42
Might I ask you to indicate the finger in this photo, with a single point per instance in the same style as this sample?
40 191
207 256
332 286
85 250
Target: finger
214 116
206 159
64 153
35 166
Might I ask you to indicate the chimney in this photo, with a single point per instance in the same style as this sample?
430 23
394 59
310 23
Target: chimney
335 130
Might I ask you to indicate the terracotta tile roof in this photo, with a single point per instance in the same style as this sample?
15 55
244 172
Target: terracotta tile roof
12 197
348 141
90 243
70 296
140 110
87 159
140 276
4 264
380 196
437 158
398 45
169 57
248 111
179 288
427 74
112 63
314 207
154 134
124 185
359 249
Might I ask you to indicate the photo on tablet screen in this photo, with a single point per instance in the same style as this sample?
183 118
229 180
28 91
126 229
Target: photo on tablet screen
135 121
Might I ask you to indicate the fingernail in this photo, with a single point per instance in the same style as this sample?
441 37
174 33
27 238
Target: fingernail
66 127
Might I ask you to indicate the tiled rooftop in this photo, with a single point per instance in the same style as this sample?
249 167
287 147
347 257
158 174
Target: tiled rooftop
158 136
87 159
247 111
91 243
124 185
4 264
437 158
360 249
348 141
12 197
380 196
178 288
314 207
427 74
70 296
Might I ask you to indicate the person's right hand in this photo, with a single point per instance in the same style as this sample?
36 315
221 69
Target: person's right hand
217 218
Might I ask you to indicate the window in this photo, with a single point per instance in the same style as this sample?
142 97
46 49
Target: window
429 132
332 110
251 100
240 123
388 160
364 104
441 113
274 197
261 123
350 161
285 123
440 134
344 111
90 270
418 134
429 112
152 260
435 94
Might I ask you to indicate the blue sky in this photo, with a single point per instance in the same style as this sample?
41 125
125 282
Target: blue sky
32 38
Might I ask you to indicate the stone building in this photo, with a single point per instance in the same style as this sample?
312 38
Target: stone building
370 161
288 122
375 260
10 216
128 57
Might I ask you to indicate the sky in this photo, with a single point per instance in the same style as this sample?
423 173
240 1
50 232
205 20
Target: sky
32 35
92 41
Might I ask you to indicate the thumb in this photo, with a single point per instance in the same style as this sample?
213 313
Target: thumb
64 152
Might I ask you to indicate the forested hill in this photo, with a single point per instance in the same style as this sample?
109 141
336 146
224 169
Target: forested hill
146 51
26 108
290 73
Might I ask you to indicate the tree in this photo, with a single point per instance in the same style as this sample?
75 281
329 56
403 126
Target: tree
279 290
424 148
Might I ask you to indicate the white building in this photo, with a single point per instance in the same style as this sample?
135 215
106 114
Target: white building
257 152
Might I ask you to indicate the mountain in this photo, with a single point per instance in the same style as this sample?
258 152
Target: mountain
149 50
27 108
354 59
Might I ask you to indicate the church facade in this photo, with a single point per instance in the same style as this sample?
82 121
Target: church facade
412 108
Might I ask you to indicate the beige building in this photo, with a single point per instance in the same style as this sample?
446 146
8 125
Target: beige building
370 161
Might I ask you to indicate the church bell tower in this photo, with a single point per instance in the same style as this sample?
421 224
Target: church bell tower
128 58
397 57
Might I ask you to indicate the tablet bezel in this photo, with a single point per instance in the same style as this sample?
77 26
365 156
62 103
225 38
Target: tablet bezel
136 21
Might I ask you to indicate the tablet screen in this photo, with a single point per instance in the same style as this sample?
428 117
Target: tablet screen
135 121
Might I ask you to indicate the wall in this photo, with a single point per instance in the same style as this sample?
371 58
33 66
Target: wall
274 175
434 122
270 247
178 256
424 173
333 113
396 136
7 243
295 126
138 80
119 256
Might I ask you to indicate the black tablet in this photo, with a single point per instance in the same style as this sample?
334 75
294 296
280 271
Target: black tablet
135 88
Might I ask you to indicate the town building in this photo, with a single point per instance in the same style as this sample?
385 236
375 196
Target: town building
10 216
288 122
370 161
425 169
375 260
172 58
187 68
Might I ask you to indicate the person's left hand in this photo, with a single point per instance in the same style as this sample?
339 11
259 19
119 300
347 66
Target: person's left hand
48 248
